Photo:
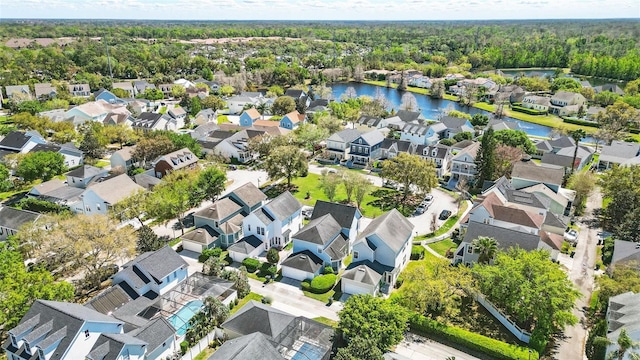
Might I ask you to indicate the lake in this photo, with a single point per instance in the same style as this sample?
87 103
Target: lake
431 108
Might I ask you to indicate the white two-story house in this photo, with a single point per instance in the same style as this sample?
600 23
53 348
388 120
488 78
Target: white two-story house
439 154
380 253
463 164
422 134
339 144
275 222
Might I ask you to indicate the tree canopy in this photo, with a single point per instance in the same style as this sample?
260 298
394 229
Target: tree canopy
287 162
41 165
410 170
622 214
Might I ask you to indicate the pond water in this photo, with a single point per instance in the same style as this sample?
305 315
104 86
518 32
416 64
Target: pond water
431 108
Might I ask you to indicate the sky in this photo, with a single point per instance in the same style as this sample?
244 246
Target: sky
319 9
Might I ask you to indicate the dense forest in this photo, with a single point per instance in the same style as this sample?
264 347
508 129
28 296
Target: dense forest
603 48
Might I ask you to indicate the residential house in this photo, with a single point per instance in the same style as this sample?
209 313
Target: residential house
213 85
536 102
237 103
592 112
565 103
197 91
99 197
44 91
390 148
157 271
11 220
248 247
372 122
625 253
123 158
408 116
55 115
184 83
560 151
339 144
138 106
292 120
380 253
422 134
614 88
109 97
79 90
58 192
208 143
346 215
18 92
454 126
300 96
248 196
318 105
177 160
148 121
439 154
499 124
147 181
249 116
126 86
72 155
463 166
94 111
366 148
275 221
82 176
623 313
222 225
205 116
618 153
166 90
142 85
528 173
421 81
259 331
204 130
113 119
559 203
179 115
21 142
236 146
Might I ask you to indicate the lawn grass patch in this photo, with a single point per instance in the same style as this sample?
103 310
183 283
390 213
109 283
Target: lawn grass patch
442 246
162 110
205 354
102 163
326 321
244 301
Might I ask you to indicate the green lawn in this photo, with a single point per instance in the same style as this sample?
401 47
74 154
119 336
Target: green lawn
428 261
442 246
102 163
241 303
311 184
326 321
162 110
205 354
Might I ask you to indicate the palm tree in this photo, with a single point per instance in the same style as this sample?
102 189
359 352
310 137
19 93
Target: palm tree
487 247
263 108
577 135
624 342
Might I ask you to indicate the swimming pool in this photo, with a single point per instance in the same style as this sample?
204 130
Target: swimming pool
308 351
180 320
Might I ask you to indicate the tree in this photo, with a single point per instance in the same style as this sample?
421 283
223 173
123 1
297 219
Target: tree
534 291
606 98
486 247
374 319
515 138
175 195
329 184
213 266
213 102
322 92
92 143
362 187
41 165
5 179
479 120
273 257
633 87
131 207
121 93
462 115
178 91
196 106
408 102
283 105
215 311
152 94
576 135
410 170
505 158
286 162
435 290
485 158
466 135
349 179
565 83
275 91
359 349
149 148
625 343
227 90
437 89
615 119
148 240
358 73
211 182
328 122
349 93
119 134
310 136
20 286
620 184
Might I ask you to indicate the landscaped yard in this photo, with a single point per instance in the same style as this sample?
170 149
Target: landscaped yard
326 321
442 246
241 303
311 184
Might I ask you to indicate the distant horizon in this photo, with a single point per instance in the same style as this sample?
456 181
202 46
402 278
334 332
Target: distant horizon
320 10
319 20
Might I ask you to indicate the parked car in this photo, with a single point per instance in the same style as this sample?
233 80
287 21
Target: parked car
444 215
428 200
233 167
571 236
421 209
307 211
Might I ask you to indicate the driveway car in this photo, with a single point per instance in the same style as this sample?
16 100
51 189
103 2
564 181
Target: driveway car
421 209
444 215
571 236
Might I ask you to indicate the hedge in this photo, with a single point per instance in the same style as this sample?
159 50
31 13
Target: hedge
569 120
322 283
207 253
268 269
495 349
417 252
251 264
527 110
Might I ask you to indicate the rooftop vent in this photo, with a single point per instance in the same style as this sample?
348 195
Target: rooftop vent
303 257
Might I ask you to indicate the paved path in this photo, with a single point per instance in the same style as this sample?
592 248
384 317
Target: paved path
572 346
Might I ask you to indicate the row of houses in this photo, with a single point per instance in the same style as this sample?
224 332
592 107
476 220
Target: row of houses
18 142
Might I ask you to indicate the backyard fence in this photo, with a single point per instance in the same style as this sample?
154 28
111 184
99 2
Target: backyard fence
200 346
522 335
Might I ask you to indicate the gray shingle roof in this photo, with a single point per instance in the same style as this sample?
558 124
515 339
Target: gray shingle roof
363 274
248 347
506 238
159 263
86 171
407 116
109 300
204 235
392 228
11 218
219 210
338 248
249 194
342 213
372 137
283 206
115 189
346 135
619 151
257 317
320 230
625 251
246 245
15 140
155 333
528 170
305 261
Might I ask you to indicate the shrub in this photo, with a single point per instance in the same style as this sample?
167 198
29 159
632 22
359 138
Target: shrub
323 283
580 122
251 264
527 111
417 252
179 249
207 253
399 282
305 285
267 300
184 347
41 206
327 270
268 269
495 349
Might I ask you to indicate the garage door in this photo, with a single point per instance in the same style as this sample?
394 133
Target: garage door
296 273
188 245
238 257
354 288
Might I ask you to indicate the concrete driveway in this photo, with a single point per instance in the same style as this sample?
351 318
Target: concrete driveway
419 348
441 201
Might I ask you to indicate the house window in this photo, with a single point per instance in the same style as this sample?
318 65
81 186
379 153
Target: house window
98 206
366 150
215 223
470 249
249 227
355 254
87 208
86 333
